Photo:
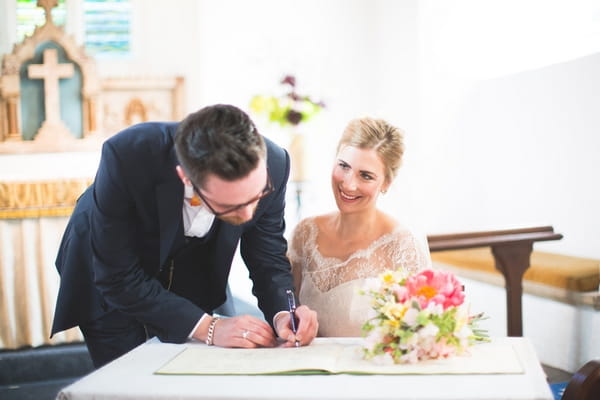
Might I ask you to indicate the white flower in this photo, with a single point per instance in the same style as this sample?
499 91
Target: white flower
429 330
435 309
410 317
373 338
411 357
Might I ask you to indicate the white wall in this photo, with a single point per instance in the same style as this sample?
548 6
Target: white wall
509 117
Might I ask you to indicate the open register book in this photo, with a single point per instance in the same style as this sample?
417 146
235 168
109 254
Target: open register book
326 357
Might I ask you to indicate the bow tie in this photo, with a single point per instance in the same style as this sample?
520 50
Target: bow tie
195 201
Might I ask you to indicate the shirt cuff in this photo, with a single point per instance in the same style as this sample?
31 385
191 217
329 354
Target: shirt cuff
275 317
191 335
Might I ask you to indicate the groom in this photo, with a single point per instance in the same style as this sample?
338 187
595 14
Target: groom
148 249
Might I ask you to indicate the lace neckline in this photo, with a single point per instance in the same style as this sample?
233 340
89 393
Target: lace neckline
360 253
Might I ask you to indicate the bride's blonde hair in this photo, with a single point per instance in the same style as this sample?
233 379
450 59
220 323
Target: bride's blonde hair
371 133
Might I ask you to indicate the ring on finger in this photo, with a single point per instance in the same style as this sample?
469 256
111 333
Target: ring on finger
245 334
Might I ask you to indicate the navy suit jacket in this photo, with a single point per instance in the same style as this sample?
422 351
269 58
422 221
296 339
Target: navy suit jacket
127 225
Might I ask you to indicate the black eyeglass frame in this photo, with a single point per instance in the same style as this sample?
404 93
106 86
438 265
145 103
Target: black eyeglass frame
268 189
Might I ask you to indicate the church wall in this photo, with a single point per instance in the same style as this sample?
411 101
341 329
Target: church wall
508 119
525 148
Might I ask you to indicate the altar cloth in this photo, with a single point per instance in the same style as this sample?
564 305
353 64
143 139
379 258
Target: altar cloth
37 195
44 185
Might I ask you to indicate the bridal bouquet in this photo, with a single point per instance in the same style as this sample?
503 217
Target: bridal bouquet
419 317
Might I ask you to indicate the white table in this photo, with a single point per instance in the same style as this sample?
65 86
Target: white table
132 377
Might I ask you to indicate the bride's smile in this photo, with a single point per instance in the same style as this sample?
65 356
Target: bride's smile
347 196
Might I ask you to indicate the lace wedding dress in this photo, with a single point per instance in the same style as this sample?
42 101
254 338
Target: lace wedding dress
330 285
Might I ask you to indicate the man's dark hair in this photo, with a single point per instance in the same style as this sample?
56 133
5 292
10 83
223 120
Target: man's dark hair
221 140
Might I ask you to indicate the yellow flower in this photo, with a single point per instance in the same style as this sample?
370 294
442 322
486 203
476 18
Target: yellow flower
394 311
259 104
392 323
389 278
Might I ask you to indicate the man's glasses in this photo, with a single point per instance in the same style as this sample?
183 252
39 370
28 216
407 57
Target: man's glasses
268 189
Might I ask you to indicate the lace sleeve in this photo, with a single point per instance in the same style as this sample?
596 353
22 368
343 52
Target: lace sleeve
297 249
408 252
425 254
298 241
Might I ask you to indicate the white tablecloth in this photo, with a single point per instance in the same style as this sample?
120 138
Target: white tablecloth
132 377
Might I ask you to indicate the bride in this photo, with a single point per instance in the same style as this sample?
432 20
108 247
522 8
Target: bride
332 254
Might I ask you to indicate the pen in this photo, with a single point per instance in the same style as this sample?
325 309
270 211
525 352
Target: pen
292 307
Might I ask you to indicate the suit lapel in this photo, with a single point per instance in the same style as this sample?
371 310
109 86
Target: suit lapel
169 200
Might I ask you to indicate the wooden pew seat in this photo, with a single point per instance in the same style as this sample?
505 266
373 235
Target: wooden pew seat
556 270
571 280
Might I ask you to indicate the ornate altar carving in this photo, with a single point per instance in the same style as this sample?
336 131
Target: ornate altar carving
51 99
17 68
127 101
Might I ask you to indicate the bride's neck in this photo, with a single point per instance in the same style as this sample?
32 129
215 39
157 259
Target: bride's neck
356 225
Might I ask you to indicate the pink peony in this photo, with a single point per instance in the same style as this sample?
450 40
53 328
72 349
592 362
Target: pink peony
437 287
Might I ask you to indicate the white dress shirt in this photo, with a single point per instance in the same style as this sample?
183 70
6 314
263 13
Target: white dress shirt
197 220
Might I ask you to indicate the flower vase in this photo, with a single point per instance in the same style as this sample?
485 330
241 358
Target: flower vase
297 153
296 149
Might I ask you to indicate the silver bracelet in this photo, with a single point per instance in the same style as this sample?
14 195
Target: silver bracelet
211 331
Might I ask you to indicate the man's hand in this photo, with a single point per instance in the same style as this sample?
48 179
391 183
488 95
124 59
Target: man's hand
307 327
241 331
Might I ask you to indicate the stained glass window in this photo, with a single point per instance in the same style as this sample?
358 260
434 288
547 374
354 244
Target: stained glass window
29 15
107 24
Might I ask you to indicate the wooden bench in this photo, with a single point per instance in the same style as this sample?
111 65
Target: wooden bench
511 250
566 274
574 280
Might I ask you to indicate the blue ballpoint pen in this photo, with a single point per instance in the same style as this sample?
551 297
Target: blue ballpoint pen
292 307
